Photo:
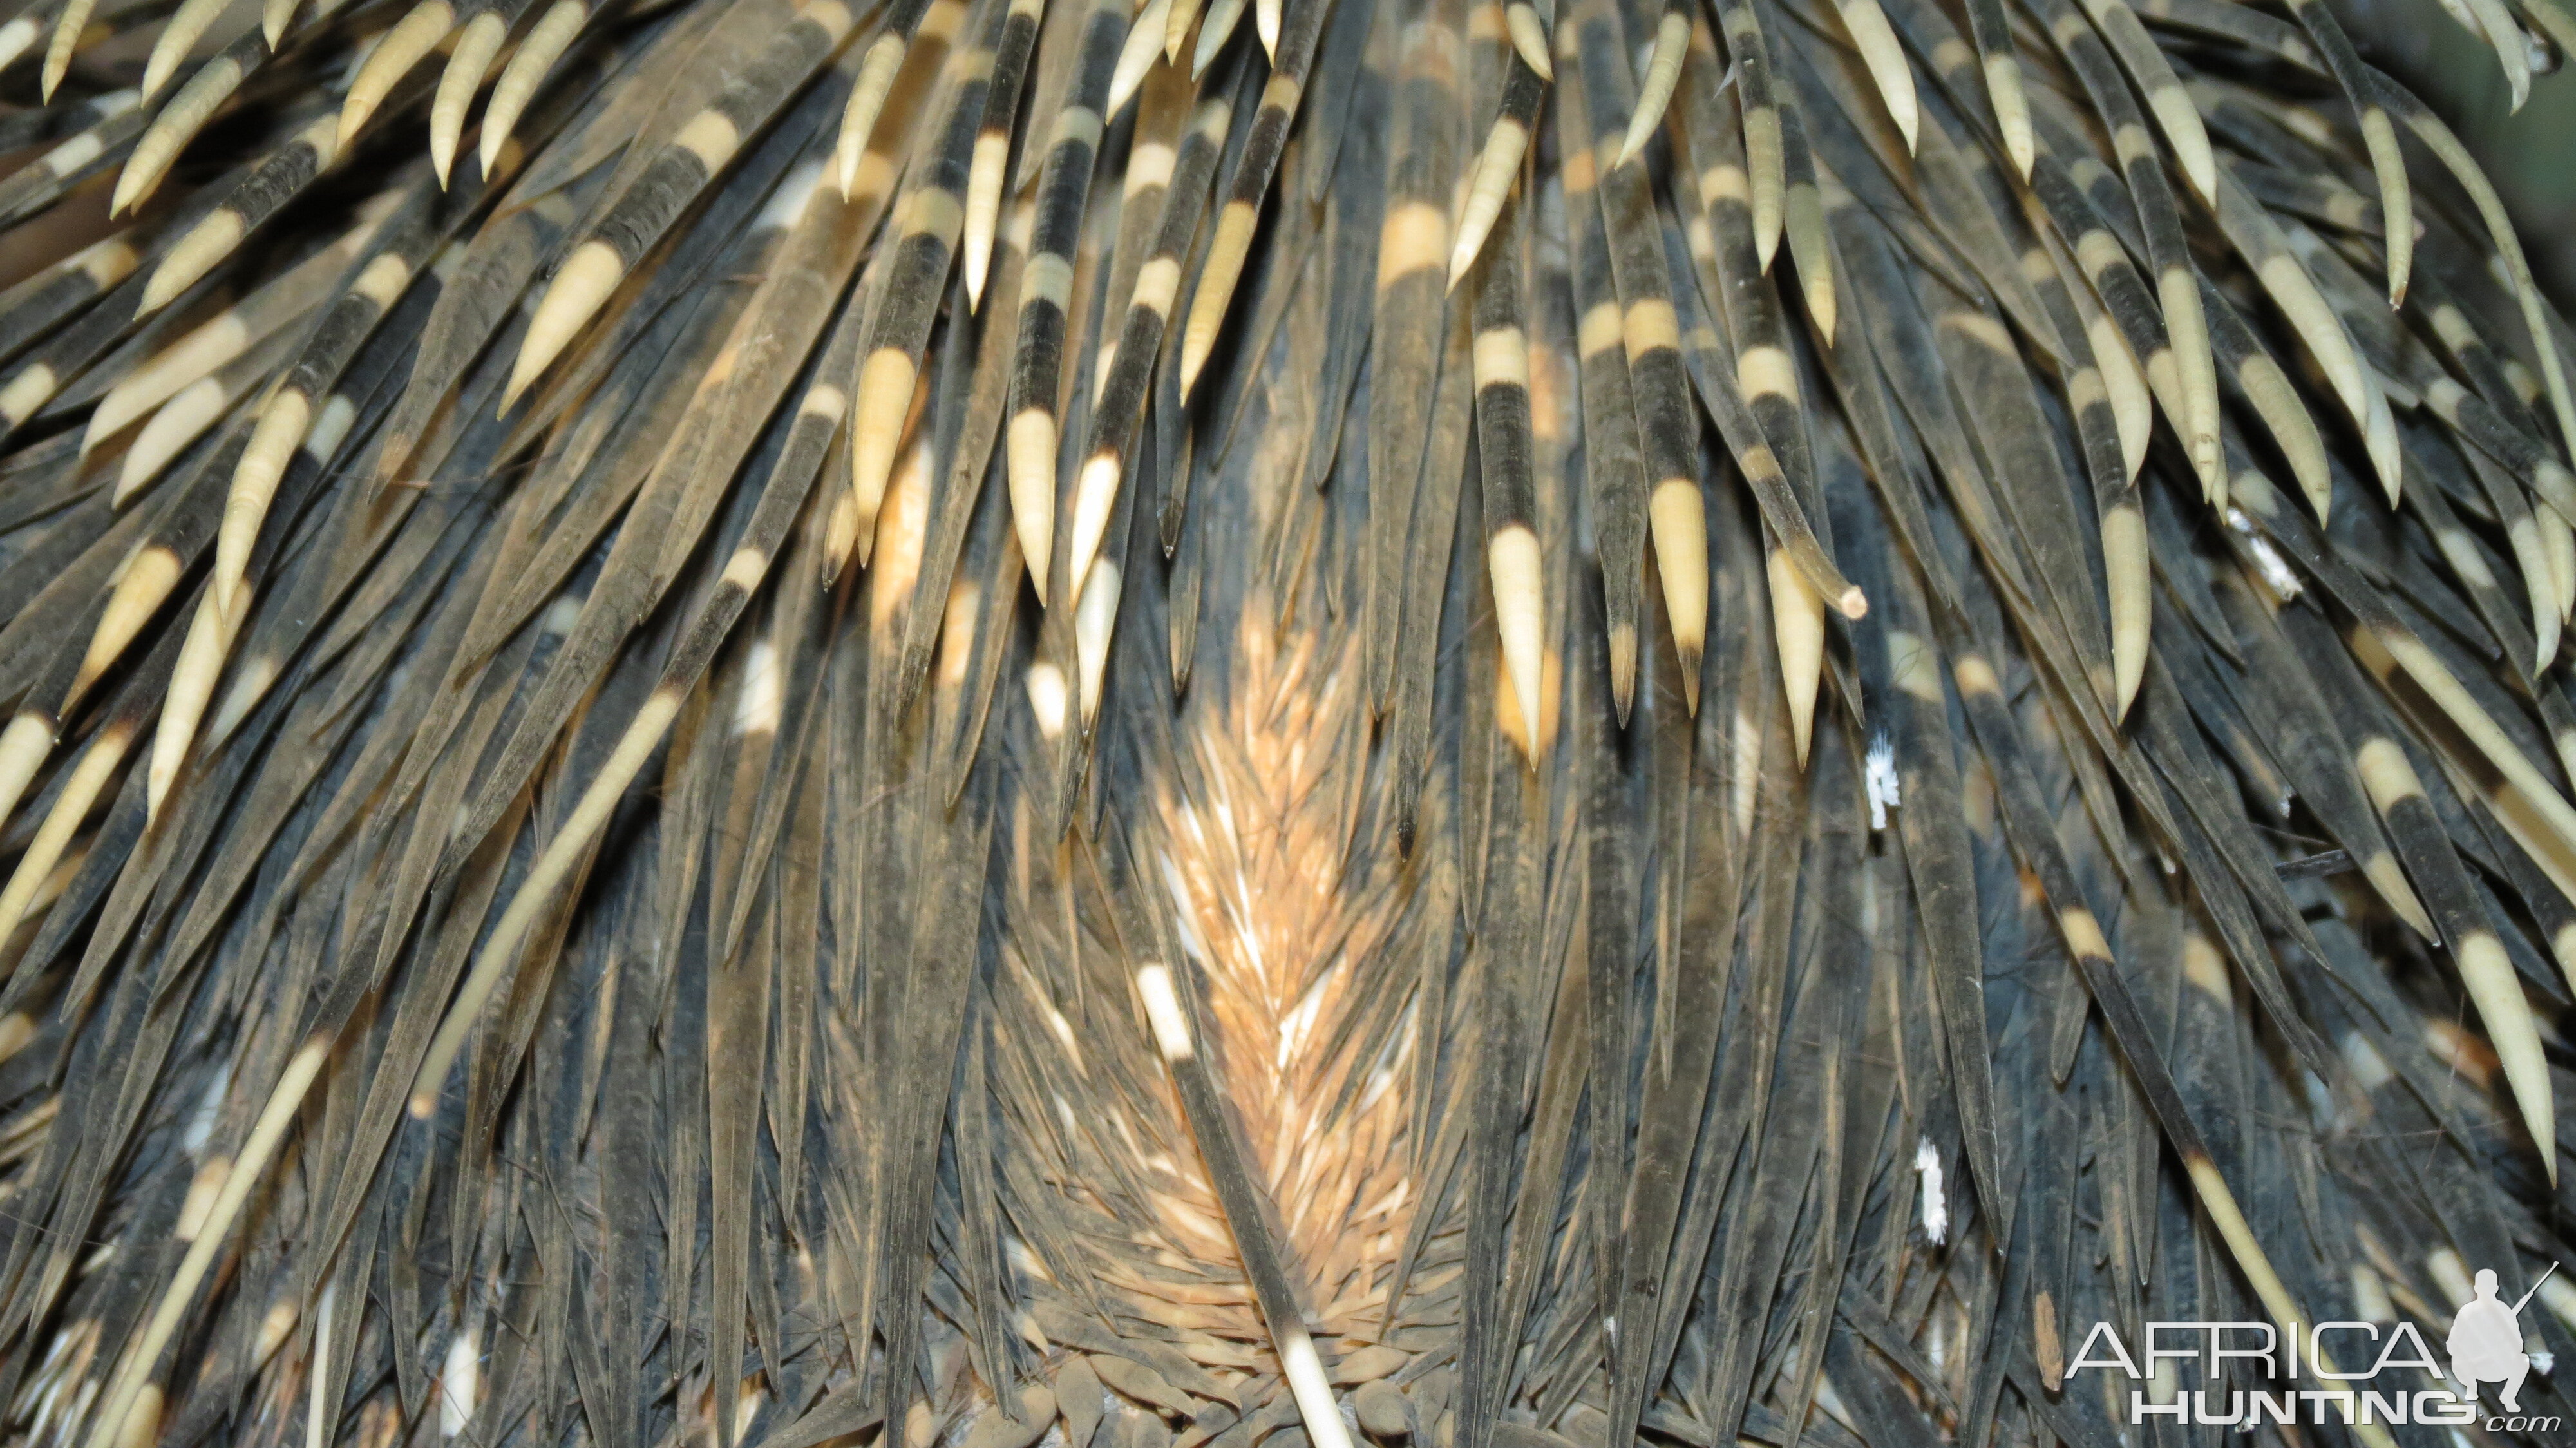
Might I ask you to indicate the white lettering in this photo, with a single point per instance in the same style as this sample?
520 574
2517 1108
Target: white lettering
2119 1357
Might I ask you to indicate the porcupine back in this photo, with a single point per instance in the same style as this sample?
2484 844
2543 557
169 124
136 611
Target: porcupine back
1445 721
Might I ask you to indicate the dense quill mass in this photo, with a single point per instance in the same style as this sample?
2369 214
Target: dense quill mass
1436 722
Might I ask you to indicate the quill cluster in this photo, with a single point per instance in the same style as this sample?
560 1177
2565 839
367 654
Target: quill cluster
1449 723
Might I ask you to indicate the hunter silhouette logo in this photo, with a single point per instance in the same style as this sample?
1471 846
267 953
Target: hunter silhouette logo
2486 1341
2485 1347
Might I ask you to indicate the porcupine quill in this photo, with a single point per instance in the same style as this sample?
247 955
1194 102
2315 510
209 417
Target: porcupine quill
1462 723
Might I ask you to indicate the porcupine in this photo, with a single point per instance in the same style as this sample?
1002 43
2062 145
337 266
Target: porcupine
1022 725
